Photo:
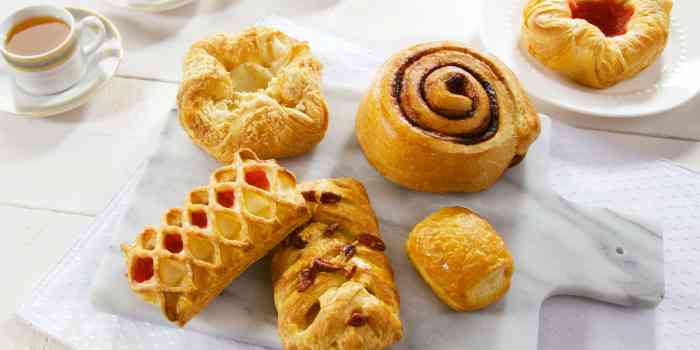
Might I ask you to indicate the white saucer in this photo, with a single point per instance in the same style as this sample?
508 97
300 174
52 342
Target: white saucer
149 5
673 80
101 67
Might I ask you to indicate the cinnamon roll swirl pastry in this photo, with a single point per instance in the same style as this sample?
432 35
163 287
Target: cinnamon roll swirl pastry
597 43
441 117
259 89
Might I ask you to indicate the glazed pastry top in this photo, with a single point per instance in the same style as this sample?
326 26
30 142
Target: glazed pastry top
462 258
596 42
258 89
334 287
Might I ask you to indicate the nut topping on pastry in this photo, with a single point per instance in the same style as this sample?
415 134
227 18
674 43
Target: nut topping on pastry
330 198
308 275
371 241
348 250
294 240
321 265
329 295
310 196
330 229
306 279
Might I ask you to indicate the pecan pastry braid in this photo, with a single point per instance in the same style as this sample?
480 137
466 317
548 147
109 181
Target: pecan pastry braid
597 43
223 228
333 285
441 117
259 89
461 257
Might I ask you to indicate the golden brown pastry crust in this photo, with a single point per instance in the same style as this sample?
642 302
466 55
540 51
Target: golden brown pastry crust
222 230
461 257
350 304
441 117
582 52
259 89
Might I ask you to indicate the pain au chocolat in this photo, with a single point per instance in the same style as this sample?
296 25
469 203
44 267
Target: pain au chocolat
462 258
442 117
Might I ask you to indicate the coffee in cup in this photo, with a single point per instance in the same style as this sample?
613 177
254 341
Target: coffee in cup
44 47
36 35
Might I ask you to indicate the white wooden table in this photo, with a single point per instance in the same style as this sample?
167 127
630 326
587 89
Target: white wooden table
57 173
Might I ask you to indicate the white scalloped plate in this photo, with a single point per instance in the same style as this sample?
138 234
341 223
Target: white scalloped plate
668 83
149 5
102 65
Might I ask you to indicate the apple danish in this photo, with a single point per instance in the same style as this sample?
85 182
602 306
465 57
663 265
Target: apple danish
333 285
461 257
597 43
247 208
259 89
441 117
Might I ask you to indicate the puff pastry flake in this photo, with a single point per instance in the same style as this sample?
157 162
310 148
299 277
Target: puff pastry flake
259 89
441 117
597 43
461 257
333 285
247 208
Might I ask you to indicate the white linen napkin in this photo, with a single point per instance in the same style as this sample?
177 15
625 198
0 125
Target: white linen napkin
586 167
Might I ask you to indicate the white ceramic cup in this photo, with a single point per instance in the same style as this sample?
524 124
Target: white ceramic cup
61 67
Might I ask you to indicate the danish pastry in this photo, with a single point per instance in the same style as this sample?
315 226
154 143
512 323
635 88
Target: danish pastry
259 89
441 117
597 43
247 208
461 257
333 285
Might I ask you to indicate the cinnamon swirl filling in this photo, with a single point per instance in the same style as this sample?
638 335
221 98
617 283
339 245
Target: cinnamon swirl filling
445 93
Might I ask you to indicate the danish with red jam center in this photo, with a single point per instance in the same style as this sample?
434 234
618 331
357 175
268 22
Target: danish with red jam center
596 43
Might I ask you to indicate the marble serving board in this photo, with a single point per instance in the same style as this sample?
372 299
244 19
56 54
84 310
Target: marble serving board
558 246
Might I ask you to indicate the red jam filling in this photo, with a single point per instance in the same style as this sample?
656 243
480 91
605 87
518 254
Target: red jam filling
142 270
258 179
199 218
610 16
226 198
173 243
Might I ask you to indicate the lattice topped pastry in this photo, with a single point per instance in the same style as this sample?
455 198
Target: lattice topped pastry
334 287
247 209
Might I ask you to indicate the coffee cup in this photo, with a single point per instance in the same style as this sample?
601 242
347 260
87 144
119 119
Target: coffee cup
46 70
